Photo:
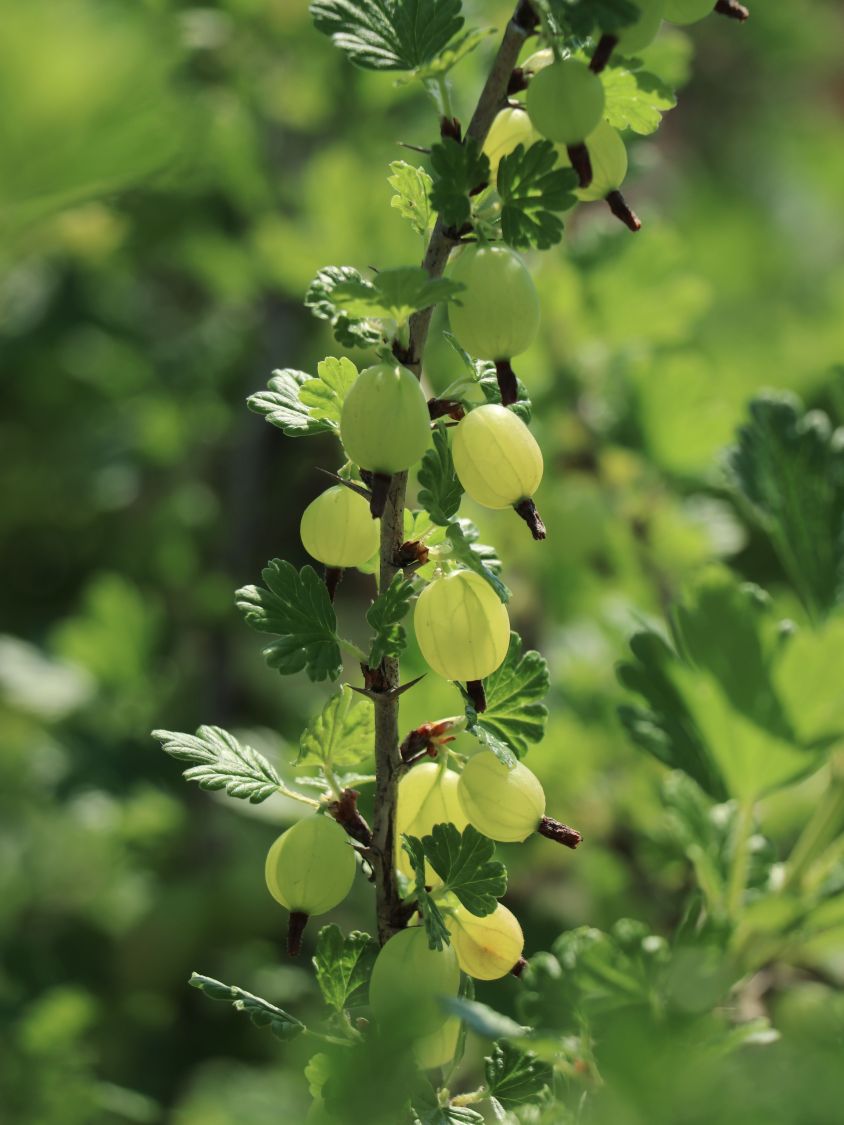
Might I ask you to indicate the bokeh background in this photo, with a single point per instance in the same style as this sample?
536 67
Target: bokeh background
173 176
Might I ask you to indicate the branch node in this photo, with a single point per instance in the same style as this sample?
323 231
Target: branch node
446 408
345 812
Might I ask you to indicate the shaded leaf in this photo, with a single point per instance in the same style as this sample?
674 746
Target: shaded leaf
343 966
514 1077
515 714
393 294
352 331
282 405
432 918
531 190
385 615
457 50
261 1012
221 763
464 551
458 170
426 1110
483 1020
296 607
464 861
441 491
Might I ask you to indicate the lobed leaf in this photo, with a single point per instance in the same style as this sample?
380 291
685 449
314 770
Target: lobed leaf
531 190
352 331
462 535
282 406
394 294
385 615
458 170
388 34
413 195
515 715
430 913
464 863
635 99
441 491
343 966
515 1077
261 1012
340 735
221 762
296 607
582 17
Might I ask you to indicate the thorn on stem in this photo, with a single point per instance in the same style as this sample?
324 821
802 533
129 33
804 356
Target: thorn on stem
528 511
732 10
350 484
601 55
476 693
619 207
579 157
333 578
508 384
558 832
295 929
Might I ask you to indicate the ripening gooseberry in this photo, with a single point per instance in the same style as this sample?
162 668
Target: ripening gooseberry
511 127
504 804
439 1047
496 457
384 424
337 529
565 101
310 867
408 979
462 627
642 32
487 948
498 314
427 796
688 11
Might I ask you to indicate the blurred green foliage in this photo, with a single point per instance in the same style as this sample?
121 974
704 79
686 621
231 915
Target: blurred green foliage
173 178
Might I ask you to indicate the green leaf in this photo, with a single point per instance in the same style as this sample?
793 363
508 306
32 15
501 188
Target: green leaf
484 374
281 404
464 861
340 735
352 331
458 170
581 17
343 966
261 1012
441 491
296 607
788 468
485 1021
394 294
413 195
432 919
426 1110
531 189
808 680
221 763
514 1077
463 550
712 708
515 714
325 395
385 615
388 34
635 99
455 52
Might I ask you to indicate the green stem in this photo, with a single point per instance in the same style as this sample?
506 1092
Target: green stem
294 796
354 649
820 830
445 96
740 866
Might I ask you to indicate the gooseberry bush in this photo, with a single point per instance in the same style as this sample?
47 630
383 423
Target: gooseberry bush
567 87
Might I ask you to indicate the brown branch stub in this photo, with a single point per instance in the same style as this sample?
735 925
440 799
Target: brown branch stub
620 208
579 157
446 408
601 55
295 929
528 511
333 578
450 127
426 740
519 80
413 552
345 812
732 10
477 695
560 833
508 384
378 499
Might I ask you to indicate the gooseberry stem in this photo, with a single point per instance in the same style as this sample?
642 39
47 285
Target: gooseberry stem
620 208
579 156
508 384
601 55
391 916
528 511
733 10
333 578
295 929
558 832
